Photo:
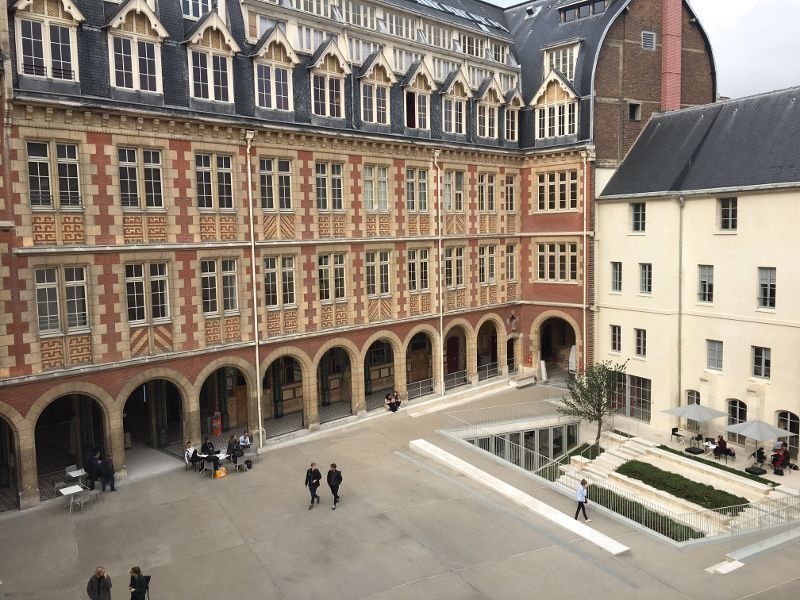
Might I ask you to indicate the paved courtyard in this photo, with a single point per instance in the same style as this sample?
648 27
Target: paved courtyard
406 529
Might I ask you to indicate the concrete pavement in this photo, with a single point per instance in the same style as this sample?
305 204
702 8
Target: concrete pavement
406 528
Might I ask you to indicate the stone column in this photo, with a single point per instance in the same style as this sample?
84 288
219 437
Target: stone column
502 362
400 373
472 358
311 403
358 402
116 444
28 474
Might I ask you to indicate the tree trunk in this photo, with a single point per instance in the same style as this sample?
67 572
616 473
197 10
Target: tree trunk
599 431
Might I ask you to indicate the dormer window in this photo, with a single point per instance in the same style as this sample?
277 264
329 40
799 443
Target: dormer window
273 60
488 110
194 9
211 48
375 96
512 124
454 108
556 104
417 103
582 10
135 48
563 60
46 39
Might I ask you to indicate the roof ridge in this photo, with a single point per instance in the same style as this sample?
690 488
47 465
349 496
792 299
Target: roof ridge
727 101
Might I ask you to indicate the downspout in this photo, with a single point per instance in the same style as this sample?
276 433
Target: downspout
440 251
682 200
586 208
249 135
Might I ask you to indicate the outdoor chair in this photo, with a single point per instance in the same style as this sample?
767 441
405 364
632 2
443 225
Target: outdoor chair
239 465
678 436
81 498
251 456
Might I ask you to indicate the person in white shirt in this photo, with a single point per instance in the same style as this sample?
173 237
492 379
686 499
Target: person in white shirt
244 440
582 496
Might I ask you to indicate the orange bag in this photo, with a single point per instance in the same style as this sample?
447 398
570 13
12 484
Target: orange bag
220 473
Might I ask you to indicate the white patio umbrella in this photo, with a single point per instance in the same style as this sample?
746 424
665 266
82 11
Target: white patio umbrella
758 430
695 412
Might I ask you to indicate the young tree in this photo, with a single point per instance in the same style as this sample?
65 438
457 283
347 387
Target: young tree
592 393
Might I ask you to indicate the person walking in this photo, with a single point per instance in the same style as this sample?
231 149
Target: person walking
313 477
138 585
582 496
92 466
334 481
106 471
99 586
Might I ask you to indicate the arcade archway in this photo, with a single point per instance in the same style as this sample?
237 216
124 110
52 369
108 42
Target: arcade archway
283 397
334 385
379 376
419 365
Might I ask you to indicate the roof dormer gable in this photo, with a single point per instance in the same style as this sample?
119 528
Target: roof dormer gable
136 16
377 67
210 31
514 98
419 76
555 88
489 91
328 57
59 9
274 45
456 84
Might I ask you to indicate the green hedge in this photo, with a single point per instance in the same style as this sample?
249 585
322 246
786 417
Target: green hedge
681 487
713 463
644 516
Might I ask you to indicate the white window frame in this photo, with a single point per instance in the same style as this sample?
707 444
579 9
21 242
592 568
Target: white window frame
152 281
199 6
638 217
136 74
511 193
511 130
417 188
767 288
47 51
557 120
714 355
376 188
386 112
511 262
332 269
327 102
557 191
640 342
486 192
616 276
418 95
454 191
557 58
616 338
59 288
728 214
144 168
761 362
329 177
377 269
646 278
282 268
275 177
418 270
209 85
457 124
55 182
215 169
557 262
273 86
487 120
705 284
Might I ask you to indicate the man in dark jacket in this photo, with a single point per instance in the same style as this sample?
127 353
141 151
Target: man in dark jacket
99 586
138 585
92 466
209 454
106 472
313 477
334 481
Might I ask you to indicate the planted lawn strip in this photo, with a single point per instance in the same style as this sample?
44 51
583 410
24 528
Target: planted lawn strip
644 516
681 487
719 466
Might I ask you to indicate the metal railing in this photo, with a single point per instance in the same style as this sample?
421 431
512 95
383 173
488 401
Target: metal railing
452 380
512 365
471 426
415 389
487 371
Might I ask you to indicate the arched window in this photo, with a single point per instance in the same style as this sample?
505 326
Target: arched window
791 422
692 397
737 413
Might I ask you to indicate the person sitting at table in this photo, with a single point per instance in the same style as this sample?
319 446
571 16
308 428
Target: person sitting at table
722 447
209 453
234 450
191 454
778 445
245 441
780 461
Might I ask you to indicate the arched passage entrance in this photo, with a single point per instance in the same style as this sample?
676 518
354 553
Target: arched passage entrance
335 385
488 351
152 418
558 347
69 429
9 497
419 365
455 366
283 397
223 404
378 373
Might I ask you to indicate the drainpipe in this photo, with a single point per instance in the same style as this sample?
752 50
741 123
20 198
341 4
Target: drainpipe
586 208
682 200
248 136
440 251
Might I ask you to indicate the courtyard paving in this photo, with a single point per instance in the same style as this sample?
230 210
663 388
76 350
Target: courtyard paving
406 529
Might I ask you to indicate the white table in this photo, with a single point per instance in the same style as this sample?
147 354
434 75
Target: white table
710 447
71 491
205 457
78 474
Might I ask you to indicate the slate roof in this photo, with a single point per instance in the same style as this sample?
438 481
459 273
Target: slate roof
744 143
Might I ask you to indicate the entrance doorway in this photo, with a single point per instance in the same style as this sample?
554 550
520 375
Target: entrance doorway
378 373
69 429
152 418
283 397
487 351
556 343
9 496
223 405
511 358
456 358
419 366
334 382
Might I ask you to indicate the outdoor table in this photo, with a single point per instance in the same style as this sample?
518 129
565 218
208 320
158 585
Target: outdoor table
221 457
78 474
71 491
710 447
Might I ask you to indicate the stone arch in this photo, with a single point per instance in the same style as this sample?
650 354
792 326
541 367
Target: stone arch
470 331
398 365
179 380
535 337
498 323
308 387
357 402
306 366
389 336
244 366
95 392
15 420
500 334
436 352
352 350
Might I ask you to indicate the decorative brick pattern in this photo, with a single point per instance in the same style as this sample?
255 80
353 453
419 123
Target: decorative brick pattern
373 309
413 225
273 323
512 223
425 303
326 316
79 349
52 352
233 329
339 226
208 228
133 229
157 228
386 308
44 229
213 332
384 226
73 229
492 294
162 339
270 227
140 341
290 321
342 315
287 227
372 225
413 304
511 291
324 225
424 224
227 227
493 223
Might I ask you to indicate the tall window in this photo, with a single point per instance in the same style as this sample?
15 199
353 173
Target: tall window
140 178
487 120
214 178
375 103
46 159
714 355
556 120
728 214
640 335
273 83
53 284
558 190
279 281
616 338
737 413
790 422
638 216
454 267
454 191
195 8
762 362
616 276
692 397
376 186
705 288
486 265
512 118
216 85
563 60
454 115
766 287
418 273
557 261
147 292
646 278
209 284
417 190
47 49
511 193
330 195
486 192
639 398
275 181
377 264
136 64
331 277
416 109
511 262
326 91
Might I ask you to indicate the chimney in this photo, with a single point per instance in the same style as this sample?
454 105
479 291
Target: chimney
671 22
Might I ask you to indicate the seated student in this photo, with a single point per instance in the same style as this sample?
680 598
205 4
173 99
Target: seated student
722 447
759 456
209 453
780 461
245 441
388 402
234 450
